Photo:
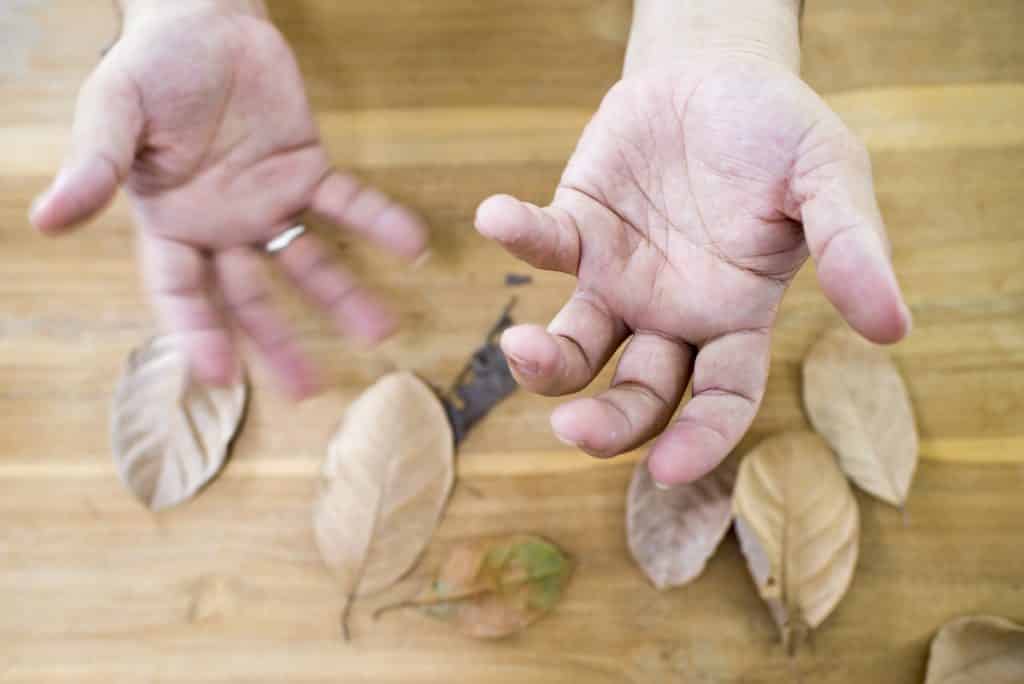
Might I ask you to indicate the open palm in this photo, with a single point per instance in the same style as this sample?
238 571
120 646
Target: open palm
692 200
203 117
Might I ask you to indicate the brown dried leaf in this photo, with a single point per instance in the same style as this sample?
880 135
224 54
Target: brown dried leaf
856 400
388 473
673 533
798 526
493 589
977 649
170 435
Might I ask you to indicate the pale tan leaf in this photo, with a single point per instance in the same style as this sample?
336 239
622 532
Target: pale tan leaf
672 533
857 401
387 475
972 650
798 525
170 434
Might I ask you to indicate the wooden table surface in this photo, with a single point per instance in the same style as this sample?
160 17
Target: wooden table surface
443 102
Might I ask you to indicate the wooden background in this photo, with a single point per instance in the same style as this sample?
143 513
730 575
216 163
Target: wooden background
443 102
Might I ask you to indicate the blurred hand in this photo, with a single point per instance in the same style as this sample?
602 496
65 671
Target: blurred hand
692 200
200 112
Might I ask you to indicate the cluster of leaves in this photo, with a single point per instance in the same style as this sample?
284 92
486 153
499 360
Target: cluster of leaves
790 503
384 485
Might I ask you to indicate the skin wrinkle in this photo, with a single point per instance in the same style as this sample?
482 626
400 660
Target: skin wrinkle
579 241
609 209
716 249
229 91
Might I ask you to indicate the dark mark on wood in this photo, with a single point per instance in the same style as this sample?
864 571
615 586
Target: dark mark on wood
517 279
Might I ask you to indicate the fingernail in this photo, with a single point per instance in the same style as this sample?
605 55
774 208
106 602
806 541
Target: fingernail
567 442
523 366
37 204
909 317
662 486
422 260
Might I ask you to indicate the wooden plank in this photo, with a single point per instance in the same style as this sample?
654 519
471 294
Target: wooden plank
888 119
230 588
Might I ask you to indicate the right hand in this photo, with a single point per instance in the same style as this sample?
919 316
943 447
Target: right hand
200 112
696 193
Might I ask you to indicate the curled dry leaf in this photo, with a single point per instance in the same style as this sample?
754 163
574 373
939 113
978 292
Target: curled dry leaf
977 649
489 590
387 475
672 533
798 526
170 434
484 382
856 400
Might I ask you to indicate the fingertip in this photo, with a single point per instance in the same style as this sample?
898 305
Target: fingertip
886 319
860 282
368 320
214 362
496 218
889 328
77 194
405 232
38 214
588 425
676 458
531 351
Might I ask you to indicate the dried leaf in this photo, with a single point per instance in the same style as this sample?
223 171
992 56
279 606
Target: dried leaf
489 590
170 434
388 473
977 649
856 400
672 533
798 526
483 382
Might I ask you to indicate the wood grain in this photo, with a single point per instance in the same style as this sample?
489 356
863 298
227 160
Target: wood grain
443 102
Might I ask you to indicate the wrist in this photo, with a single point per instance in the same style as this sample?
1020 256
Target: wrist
133 9
667 31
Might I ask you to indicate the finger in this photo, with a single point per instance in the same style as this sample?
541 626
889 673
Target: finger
245 282
342 199
729 379
649 382
352 309
545 238
180 280
574 348
108 124
835 200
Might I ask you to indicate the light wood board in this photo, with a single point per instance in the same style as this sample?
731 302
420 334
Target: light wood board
443 103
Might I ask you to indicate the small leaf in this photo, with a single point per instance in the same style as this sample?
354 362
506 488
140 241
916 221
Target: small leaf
977 649
798 526
484 382
856 400
673 533
489 590
387 476
170 434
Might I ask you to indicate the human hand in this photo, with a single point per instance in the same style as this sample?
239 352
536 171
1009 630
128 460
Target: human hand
692 200
199 111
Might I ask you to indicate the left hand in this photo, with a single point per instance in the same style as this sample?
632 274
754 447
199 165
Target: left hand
200 111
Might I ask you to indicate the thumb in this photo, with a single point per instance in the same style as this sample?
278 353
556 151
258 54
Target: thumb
108 124
545 238
833 196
